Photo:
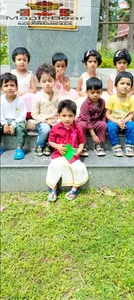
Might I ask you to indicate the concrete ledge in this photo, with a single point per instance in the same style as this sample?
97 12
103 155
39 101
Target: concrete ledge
29 174
9 142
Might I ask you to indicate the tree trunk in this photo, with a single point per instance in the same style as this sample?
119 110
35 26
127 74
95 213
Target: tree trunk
131 30
105 14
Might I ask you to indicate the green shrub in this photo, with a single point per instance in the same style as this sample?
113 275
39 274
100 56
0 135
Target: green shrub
4 56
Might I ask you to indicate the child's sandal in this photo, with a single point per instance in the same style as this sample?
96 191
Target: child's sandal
117 151
129 151
71 193
99 150
52 195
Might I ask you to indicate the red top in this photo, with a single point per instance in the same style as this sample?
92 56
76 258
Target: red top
59 134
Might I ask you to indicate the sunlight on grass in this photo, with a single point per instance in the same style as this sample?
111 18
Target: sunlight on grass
82 249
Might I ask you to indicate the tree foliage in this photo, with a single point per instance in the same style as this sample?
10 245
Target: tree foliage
4 59
110 11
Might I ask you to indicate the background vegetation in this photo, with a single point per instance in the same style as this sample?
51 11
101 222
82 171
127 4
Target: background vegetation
111 11
107 58
4 57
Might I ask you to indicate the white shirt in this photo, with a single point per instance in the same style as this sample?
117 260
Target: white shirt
15 110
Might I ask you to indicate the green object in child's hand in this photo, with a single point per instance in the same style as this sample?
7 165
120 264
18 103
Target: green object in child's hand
70 152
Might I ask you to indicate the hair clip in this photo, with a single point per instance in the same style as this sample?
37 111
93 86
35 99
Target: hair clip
117 54
87 54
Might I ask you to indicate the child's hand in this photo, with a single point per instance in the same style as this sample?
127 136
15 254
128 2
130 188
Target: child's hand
121 124
51 122
59 75
62 149
11 128
6 129
78 152
66 83
95 139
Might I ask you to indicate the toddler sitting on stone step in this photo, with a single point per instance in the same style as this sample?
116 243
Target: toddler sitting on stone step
92 116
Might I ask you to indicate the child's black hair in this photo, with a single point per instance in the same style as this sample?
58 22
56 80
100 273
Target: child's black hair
6 77
59 56
125 75
93 83
93 52
68 104
20 50
122 54
45 69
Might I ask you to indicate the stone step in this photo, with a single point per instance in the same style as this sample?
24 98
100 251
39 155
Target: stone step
9 142
28 175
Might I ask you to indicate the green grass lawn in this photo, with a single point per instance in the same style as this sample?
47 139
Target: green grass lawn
82 249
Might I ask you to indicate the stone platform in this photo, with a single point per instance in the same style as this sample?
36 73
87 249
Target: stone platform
29 174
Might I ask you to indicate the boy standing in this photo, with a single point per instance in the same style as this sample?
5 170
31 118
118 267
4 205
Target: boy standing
13 112
120 110
73 172
45 106
92 115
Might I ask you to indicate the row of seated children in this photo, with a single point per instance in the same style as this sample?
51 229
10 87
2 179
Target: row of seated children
73 172
120 110
92 59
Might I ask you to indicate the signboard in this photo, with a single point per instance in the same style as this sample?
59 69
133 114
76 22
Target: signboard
57 14
51 14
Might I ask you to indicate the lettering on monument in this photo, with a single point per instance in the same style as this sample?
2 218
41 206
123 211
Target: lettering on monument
54 14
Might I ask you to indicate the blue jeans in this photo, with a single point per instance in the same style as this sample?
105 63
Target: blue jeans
43 132
113 130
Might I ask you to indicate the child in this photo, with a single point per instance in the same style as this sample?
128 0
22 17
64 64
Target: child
73 172
92 59
92 115
62 84
45 106
26 80
120 109
121 61
13 112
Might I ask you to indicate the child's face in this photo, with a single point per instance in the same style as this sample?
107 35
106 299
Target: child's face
123 86
60 67
94 95
21 62
47 83
67 117
121 65
9 89
91 63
